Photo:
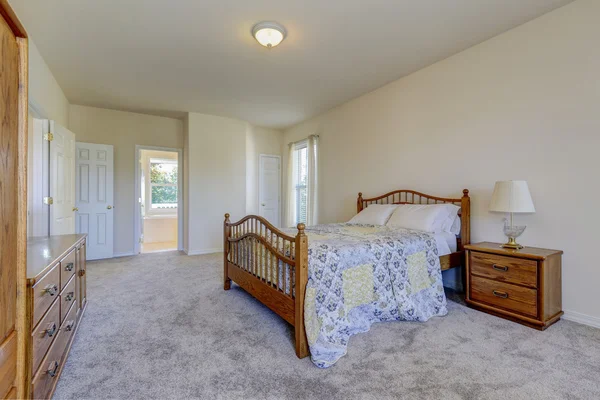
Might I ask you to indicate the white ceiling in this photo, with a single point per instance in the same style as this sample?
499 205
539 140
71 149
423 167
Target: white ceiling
169 57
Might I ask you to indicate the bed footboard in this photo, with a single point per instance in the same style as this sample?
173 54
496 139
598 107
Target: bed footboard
270 265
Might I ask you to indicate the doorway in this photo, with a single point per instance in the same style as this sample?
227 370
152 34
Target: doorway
158 199
269 188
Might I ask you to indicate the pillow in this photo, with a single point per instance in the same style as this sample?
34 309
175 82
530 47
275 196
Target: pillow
447 224
433 218
375 214
455 228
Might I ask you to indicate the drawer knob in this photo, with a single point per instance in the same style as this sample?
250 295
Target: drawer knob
502 295
69 267
51 330
69 326
53 368
69 296
51 289
500 267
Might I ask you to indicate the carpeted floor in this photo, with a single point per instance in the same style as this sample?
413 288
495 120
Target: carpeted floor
160 326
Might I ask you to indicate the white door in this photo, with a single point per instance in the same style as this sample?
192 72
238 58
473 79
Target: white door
269 188
62 180
94 198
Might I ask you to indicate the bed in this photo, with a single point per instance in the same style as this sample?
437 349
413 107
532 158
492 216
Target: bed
371 265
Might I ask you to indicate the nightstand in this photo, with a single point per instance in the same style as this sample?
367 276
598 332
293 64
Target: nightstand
521 285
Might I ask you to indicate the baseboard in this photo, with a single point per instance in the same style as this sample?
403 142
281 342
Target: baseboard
125 254
204 251
582 318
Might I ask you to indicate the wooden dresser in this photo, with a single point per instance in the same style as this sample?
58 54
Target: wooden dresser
521 285
56 301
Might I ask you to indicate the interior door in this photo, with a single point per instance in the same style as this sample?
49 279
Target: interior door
62 180
269 179
13 200
94 198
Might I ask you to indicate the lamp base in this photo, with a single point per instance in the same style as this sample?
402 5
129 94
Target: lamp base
512 244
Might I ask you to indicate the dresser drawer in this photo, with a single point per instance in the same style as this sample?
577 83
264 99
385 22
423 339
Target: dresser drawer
503 295
47 374
45 291
504 269
67 298
67 269
44 334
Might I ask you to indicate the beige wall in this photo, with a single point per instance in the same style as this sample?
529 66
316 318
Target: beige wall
215 181
258 141
523 105
44 92
124 130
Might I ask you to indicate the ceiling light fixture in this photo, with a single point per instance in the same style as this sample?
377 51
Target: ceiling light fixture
269 34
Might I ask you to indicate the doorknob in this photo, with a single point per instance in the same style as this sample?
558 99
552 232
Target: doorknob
75 209
263 204
109 207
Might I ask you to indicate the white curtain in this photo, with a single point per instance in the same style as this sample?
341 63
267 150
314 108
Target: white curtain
312 215
290 193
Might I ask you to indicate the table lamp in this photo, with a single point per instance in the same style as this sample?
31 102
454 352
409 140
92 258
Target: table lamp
512 197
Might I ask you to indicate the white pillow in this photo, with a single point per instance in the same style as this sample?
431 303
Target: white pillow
455 228
447 225
375 214
433 218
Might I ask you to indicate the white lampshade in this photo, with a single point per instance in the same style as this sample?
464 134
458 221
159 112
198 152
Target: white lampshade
512 196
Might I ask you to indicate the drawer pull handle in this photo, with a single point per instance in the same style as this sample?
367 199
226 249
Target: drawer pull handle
51 330
69 267
51 289
70 296
502 295
69 326
500 267
53 368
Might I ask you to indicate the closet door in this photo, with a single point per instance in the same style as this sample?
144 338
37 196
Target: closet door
13 199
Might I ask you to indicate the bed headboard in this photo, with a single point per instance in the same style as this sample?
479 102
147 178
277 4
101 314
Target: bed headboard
412 197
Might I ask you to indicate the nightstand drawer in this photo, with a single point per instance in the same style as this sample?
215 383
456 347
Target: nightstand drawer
504 269
503 295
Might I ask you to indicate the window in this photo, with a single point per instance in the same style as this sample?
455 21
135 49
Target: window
163 185
301 181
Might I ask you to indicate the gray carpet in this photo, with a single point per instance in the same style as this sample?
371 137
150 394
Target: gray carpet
160 326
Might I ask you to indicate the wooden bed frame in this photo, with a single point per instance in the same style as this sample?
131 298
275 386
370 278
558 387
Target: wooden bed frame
253 249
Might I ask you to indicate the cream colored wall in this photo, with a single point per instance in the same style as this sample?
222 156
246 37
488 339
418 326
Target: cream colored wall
160 230
124 130
258 141
523 105
215 148
44 92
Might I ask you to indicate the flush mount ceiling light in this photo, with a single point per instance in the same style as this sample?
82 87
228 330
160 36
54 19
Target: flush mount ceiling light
269 34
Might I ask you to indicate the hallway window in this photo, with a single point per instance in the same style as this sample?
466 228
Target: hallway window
163 185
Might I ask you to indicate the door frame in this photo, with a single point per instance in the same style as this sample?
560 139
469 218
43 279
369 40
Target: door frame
138 194
260 156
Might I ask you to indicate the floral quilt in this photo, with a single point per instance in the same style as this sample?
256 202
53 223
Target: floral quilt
362 274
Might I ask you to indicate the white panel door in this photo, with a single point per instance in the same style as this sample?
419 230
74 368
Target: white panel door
94 198
62 180
269 187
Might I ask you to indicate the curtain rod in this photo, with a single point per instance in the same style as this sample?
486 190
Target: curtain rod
302 140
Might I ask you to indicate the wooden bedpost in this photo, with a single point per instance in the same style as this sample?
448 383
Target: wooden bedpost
226 230
301 258
359 203
465 223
